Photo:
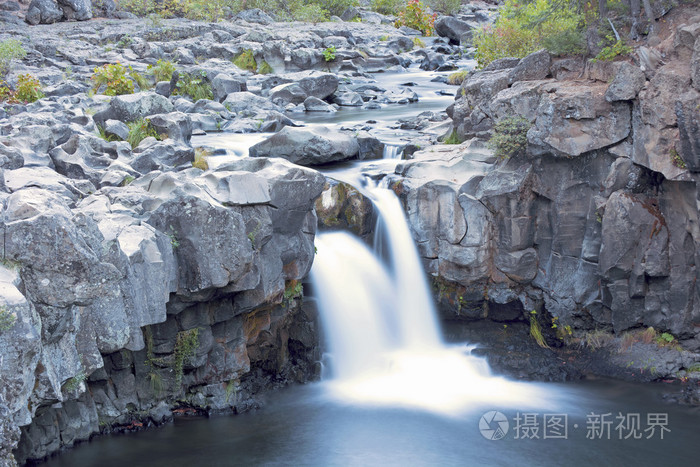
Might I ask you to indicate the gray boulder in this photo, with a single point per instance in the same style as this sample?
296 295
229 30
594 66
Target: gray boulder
306 146
79 10
132 107
452 28
315 83
314 104
533 67
246 103
348 99
222 85
627 83
115 128
578 110
43 12
175 125
290 93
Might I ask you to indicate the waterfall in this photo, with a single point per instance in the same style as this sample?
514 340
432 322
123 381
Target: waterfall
392 151
382 328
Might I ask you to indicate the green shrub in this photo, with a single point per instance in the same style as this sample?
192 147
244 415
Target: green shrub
310 13
162 71
415 15
329 54
387 7
610 52
418 42
6 93
336 7
10 49
114 77
452 138
510 137
138 7
140 130
207 10
566 42
246 61
525 28
446 7
28 89
73 384
186 344
141 81
457 77
7 319
265 68
194 85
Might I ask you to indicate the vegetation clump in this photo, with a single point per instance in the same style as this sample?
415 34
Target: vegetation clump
10 49
415 15
246 61
387 7
186 344
194 85
114 78
457 77
162 71
510 137
329 54
27 90
140 130
7 319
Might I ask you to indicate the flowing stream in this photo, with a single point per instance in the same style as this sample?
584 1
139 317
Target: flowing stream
397 395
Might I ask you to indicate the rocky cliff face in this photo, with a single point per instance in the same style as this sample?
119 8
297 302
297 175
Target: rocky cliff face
595 228
180 287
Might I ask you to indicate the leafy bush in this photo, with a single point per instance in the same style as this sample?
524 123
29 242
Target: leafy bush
525 28
10 49
613 51
114 77
415 15
186 344
194 85
141 81
246 61
457 77
446 7
162 71
207 10
566 42
329 54
265 68
140 130
7 319
387 7
418 42
510 137
28 89
310 13
336 7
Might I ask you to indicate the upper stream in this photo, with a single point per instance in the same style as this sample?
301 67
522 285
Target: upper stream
396 394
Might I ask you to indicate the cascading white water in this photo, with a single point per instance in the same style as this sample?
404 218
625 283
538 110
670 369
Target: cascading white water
382 329
392 151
